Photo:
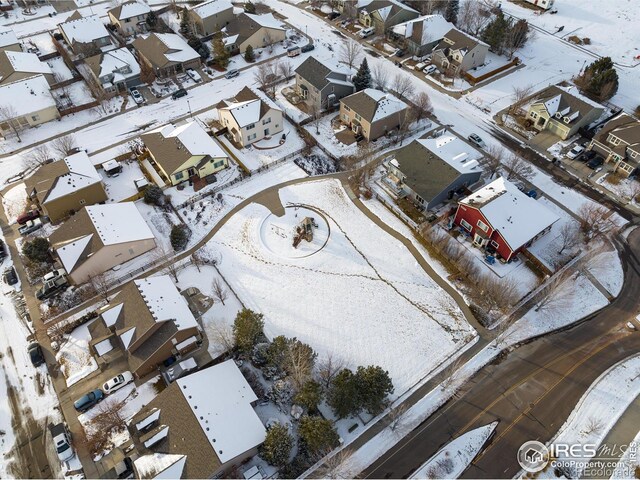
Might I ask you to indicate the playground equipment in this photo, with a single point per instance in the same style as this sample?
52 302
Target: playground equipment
304 231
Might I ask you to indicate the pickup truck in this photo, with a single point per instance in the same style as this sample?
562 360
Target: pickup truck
30 226
51 287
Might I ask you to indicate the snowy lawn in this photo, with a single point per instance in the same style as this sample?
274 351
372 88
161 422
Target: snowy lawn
607 269
14 202
361 295
122 187
287 107
254 158
160 222
456 456
598 410
627 188
60 70
125 402
74 357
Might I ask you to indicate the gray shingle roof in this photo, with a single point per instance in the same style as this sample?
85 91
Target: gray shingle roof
314 72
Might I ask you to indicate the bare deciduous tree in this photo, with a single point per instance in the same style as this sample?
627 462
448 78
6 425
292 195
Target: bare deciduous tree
594 220
380 76
36 157
220 334
422 106
101 284
328 367
517 36
569 237
168 265
517 167
350 52
219 292
299 364
519 96
314 113
557 293
493 158
285 69
267 75
495 294
594 425
395 416
64 145
402 85
8 115
335 466
472 16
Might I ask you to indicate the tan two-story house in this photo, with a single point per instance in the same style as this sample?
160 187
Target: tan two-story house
321 87
130 17
18 66
85 36
619 142
372 113
259 31
250 117
64 187
458 52
210 17
180 153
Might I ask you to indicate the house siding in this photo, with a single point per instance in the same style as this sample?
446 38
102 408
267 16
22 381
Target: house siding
59 208
212 24
130 27
472 215
43 116
241 135
163 352
258 39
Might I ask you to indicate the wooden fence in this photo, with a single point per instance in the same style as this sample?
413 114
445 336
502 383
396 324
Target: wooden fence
473 80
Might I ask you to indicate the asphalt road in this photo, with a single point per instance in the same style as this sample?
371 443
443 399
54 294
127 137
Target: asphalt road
531 392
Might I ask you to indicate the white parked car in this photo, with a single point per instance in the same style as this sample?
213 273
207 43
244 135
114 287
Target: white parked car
62 441
366 32
195 76
54 275
117 382
575 151
137 96
477 141
429 69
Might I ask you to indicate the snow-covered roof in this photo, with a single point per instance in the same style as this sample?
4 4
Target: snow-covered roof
82 174
453 151
165 302
84 29
127 336
132 9
153 416
227 418
160 435
71 252
434 28
230 40
179 49
266 20
8 37
27 62
119 223
212 7
193 137
114 61
245 113
160 466
516 216
110 317
248 106
26 96
374 105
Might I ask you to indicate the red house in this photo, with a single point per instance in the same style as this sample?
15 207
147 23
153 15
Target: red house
503 220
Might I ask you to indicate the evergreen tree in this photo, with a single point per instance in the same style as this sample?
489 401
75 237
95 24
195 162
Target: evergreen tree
309 396
318 434
495 33
152 20
373 385
451 13
250 7
277 352
249 56
362 79
37 250
247 329
220 54
179 237
599 80
343 395
185 25
277 446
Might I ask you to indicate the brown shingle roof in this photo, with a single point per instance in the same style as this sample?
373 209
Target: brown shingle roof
44 178
78 226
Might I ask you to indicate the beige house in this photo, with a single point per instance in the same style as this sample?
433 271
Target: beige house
384 14
210 17
65 186
259 31
149 321
212 408
101 237
619 142
420 35
26 103
458 51
85 35
166 53
18 66
372 113
562 111
130 17
250 117
9 41
184 152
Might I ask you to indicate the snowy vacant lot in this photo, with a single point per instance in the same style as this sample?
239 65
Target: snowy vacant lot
357 293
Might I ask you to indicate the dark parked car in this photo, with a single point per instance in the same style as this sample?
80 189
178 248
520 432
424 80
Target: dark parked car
595 162
26 216
307 48
399 52
179 93
10 276
89 400
588 155
35 353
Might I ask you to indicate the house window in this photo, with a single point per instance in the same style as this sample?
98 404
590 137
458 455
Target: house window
633 154
131 251
345 117
494 244
483 226
466 225
420 199
251 126
218 164
358 117
82 201
613 140
266 120
179 175
333 89
533 115
346 108
35 118
251 137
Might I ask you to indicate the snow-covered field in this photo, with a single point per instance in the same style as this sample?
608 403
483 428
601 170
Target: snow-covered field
455 457
361 296
74 357
598 410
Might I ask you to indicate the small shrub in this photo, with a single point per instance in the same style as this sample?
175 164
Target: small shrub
153 195
37 250
575 39
179 237
586 41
